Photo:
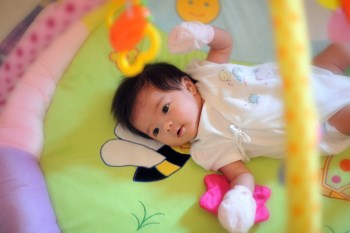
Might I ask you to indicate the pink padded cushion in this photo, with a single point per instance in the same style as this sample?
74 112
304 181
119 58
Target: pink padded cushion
21 122
25 203
24 200
50 23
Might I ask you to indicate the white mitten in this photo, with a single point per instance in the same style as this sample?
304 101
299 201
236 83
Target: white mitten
189 36
237 210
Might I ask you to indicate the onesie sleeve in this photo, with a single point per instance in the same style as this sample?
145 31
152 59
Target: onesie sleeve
203 69
216 154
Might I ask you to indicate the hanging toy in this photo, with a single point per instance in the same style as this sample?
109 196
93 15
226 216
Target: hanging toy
126 32
345 4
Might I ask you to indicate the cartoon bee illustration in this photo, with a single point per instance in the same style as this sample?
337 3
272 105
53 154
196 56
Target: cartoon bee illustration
153 160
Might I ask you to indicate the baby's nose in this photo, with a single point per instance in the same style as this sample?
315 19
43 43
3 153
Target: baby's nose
168 125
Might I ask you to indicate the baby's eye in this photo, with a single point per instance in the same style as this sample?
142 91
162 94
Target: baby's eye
165 108
156 132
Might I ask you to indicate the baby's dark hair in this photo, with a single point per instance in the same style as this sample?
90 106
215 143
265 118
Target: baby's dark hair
162 76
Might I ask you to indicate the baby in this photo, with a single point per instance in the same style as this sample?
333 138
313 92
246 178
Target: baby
229 112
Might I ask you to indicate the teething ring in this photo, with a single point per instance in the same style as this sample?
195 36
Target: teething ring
126 32
130 69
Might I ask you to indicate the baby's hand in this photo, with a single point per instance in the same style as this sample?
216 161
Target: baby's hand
189 36
237 210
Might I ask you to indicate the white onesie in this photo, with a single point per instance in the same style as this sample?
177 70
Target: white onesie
242 116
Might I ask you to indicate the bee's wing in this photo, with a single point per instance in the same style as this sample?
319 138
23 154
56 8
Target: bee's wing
120 153
126 135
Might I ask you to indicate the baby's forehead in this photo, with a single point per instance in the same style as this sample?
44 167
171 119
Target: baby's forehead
147 96
144 107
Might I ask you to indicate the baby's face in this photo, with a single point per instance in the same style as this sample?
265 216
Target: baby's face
170 117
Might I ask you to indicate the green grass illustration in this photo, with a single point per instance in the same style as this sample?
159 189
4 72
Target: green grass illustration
145 221
331 229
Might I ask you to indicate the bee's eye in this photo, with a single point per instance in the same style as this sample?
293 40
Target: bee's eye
165 108
156 132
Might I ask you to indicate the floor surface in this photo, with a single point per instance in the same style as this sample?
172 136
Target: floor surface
12 12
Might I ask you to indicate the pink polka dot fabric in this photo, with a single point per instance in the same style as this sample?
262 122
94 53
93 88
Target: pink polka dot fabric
51 22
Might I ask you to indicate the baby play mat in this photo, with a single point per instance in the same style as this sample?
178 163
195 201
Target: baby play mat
101 179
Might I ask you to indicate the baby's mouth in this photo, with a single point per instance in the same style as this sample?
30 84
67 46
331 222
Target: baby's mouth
180 131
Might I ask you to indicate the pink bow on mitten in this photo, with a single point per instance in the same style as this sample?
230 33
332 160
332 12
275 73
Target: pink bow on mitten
189 36
218 186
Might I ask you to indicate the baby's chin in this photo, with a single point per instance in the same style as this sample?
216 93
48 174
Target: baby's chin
177 144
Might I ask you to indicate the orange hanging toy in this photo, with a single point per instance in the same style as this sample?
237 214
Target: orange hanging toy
346 7
131 27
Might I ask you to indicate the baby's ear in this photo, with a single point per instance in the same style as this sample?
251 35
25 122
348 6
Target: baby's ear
189 85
